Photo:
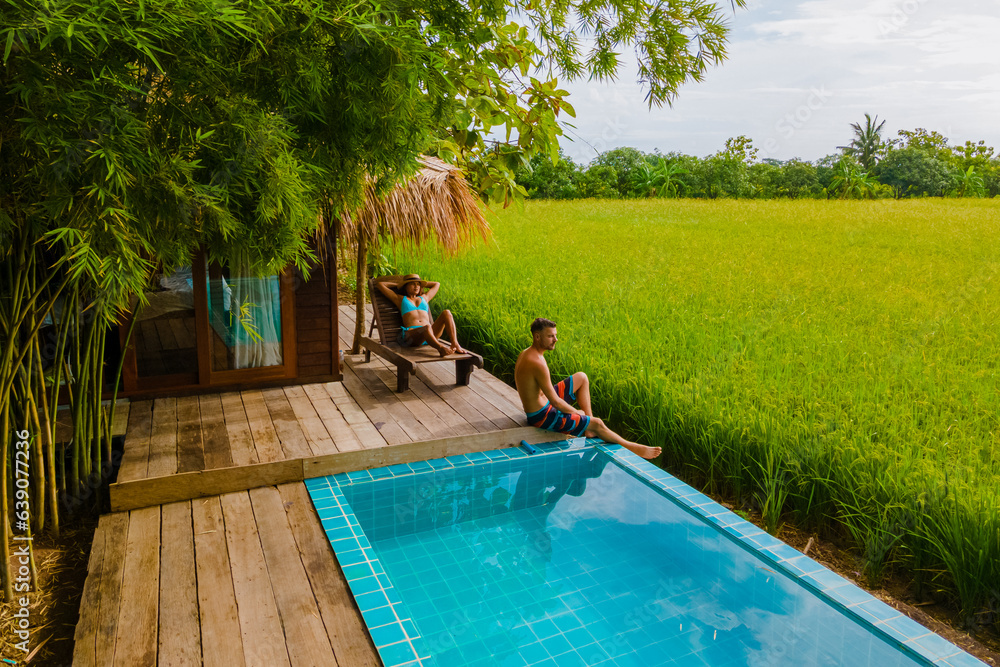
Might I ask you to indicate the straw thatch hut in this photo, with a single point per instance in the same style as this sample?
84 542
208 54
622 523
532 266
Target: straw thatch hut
436 204
209 327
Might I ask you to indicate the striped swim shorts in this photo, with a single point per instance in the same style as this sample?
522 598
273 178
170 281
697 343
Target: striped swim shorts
551 419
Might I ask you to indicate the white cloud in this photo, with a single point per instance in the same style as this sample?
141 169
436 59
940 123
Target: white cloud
915 63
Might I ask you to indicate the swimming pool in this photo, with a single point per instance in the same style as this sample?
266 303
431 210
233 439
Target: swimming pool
583 554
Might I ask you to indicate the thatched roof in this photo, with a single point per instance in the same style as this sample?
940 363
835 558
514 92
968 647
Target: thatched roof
437 203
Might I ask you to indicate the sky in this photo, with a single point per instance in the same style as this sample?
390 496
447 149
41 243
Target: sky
799 73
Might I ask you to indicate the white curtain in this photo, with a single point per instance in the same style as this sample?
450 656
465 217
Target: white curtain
255 319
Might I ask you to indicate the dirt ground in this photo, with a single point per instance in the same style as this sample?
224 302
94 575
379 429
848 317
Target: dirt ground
55 606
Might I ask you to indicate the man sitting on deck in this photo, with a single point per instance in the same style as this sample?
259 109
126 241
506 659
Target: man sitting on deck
534 385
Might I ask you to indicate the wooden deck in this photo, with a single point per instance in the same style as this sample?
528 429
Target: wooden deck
238 570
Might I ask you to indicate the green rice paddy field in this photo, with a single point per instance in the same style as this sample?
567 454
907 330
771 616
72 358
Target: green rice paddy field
832 363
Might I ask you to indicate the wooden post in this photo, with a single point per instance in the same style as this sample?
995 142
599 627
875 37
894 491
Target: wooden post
362 275
463 371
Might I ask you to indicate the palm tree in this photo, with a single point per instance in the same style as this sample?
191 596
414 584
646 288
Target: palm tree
969 184
659 180
867 142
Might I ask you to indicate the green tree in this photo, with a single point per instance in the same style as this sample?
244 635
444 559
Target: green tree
598 182
138 132
798 179
543 179
866 145
726 174
914 171
627 163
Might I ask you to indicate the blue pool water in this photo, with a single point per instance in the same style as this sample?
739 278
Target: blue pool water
589 556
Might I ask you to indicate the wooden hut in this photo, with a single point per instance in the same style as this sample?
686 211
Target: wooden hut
210 327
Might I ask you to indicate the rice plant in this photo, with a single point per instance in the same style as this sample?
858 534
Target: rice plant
850 347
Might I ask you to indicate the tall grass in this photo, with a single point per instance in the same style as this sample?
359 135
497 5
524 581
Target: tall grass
836 361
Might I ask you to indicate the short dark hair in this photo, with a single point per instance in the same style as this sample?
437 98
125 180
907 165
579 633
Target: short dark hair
541 323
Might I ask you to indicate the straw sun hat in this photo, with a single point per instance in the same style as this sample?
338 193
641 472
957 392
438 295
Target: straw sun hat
413 278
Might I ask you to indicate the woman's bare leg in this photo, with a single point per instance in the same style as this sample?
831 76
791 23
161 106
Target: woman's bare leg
425 334
599 429
445 322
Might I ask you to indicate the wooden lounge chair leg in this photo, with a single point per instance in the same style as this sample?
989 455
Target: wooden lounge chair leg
402 379
463 371
368 356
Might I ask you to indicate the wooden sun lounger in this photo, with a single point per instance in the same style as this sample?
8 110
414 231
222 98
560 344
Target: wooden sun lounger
389 322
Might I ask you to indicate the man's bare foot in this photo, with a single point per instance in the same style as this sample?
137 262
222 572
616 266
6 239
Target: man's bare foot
443 350
457 349
643 451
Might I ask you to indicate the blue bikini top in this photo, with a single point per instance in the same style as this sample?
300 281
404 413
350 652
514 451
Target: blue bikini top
407 306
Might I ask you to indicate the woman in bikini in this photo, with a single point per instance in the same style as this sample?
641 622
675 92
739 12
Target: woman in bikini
413 305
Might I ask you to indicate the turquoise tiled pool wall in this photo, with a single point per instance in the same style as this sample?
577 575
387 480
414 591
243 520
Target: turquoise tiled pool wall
460 489
530 606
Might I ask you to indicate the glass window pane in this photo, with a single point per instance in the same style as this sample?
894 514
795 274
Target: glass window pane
164 333
245 317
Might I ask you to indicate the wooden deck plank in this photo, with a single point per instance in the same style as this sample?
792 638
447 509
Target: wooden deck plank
410 400
85 635
163 439
312 425
364 429
135 457
374 410
344 437
220 626
111 586
213 432
202 483
345 628
119 422
465 401
449 414
483 406
498 393
353 413
263 641
290 435
265 440
393 403
240 439
456 397
180 631
190 448
305 634
138 613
